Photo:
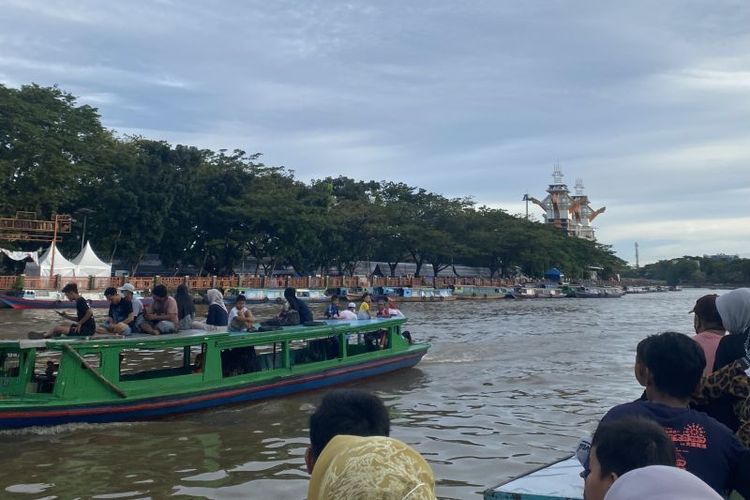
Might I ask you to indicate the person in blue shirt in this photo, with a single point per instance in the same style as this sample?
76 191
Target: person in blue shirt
332 311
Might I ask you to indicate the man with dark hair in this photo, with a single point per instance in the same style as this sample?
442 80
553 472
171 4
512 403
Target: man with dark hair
120 316
672 368
621 446
345 411
161 316
84 320
708 328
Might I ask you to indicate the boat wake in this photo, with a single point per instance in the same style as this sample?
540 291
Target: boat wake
66 428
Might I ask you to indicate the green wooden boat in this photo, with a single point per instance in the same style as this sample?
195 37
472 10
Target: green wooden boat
50 382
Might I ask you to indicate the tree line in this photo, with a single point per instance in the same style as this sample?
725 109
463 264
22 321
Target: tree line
706 270
213 209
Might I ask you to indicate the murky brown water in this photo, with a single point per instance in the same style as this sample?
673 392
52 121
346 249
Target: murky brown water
506 387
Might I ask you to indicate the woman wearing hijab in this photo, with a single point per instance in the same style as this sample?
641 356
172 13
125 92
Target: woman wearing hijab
374 467
734 309
660 482
218 316
185 307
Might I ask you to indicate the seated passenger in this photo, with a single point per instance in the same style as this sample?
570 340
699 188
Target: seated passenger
621 446
383 311
218 317
374 467
240 317
128 293
345 411
120 316
671 369
364 307
659 482
185 307
161 315
295 304
348 313
84 324
332 311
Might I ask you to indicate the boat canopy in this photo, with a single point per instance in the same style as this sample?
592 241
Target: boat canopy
89 264
63 266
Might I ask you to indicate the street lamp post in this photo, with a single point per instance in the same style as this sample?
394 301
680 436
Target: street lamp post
85 212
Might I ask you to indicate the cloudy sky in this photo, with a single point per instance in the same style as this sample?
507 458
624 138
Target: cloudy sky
647 102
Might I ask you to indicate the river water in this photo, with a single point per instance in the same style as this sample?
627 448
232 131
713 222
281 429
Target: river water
506 387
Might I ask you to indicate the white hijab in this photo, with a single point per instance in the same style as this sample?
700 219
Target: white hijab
734 309
215 297
660 482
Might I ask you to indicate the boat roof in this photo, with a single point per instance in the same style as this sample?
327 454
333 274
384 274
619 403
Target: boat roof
325 327
559 481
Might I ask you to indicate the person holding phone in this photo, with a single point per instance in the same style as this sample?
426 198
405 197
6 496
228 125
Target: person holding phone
84 325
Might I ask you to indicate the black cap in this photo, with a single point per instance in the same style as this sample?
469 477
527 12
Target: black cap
110 291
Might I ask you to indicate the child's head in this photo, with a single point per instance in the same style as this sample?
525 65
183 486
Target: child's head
240 302
621 446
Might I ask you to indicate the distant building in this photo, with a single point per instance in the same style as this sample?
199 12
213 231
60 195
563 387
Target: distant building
571 213
721 256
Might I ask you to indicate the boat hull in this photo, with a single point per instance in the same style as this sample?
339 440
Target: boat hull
149 408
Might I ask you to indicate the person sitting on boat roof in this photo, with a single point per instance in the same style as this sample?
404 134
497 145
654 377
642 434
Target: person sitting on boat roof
383 310
84 320
295 304
120 317
218 317
128 293
374 467
345 411
393 309
708 328
240 318
621 446
161 316
364 307
672 369
348 311
185 307
332 311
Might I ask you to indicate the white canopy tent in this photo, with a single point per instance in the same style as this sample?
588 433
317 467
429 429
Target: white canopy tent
87 263
63 266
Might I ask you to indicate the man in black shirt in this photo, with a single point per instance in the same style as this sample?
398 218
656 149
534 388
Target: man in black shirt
84 325
120 315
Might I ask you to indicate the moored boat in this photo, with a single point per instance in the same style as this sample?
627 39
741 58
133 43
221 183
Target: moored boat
54 299
476 292
50 382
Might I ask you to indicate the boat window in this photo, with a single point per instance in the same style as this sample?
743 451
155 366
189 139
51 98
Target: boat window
314 350
46 366
251 359
141 364
361 343
10 362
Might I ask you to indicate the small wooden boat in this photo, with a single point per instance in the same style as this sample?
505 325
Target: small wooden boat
559 481
50 382
54 299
